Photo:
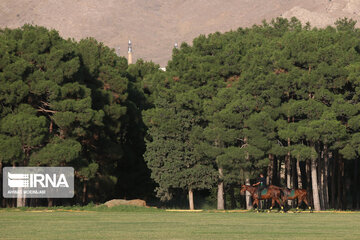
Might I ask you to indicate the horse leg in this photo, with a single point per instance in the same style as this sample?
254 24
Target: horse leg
299 204
281 206
256 201
300 200
272 204
258 205
307 204
262 203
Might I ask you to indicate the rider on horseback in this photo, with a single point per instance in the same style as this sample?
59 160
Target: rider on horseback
261 182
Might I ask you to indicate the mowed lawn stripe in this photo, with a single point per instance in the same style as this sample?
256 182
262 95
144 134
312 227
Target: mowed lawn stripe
177 225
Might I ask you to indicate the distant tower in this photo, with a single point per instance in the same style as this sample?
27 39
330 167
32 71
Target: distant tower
118 51
129 52
176 45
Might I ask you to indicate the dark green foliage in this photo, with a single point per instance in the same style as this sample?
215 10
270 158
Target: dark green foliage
279 90
227 108
66 104
172 145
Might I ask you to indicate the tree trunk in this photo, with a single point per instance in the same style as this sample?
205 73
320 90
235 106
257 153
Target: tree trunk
34 202
333 183
20 197
339 183
20 202
293 174
288 167
50 202
288 164
298 170
220 193
326 177
288 170
282 173
321 181
248 195
269 179
308 181
355 184
314 183
275 179
191 199
232 197
294 184
345 186
247 182
84 192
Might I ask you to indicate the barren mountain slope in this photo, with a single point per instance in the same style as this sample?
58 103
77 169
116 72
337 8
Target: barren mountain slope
155 25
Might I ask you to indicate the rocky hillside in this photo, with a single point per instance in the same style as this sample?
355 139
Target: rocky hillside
154 26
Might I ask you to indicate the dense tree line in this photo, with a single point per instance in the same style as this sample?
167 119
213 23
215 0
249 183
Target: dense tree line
279 98
67 103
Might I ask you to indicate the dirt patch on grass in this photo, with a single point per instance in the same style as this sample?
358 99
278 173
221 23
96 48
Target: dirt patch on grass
118 202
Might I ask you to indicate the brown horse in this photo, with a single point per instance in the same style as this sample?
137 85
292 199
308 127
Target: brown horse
292 194
273 193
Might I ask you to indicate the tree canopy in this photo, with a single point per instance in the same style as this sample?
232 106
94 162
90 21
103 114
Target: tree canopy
280 98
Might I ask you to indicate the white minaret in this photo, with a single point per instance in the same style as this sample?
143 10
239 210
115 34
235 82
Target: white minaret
118 51
129 52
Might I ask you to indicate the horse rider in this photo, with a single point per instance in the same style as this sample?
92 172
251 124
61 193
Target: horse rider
261 182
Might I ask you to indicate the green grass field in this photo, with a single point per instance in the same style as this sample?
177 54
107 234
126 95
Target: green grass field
156 224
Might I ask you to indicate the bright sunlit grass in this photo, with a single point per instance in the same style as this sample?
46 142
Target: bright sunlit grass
156 224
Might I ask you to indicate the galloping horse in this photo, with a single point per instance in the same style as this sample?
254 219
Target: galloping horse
292 194
273 193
